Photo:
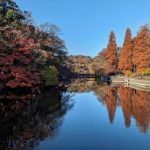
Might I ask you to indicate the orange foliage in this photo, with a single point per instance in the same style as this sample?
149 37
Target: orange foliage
111 102
125 96
135 103
110 54
141 50
125 60
141 109
133 56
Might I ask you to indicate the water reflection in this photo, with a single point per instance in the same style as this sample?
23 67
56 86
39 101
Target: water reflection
137 104
134 103
24 125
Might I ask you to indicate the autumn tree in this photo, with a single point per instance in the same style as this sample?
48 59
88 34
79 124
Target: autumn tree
141 50
125 59
98 64
25 49
111 54
52 43
17 67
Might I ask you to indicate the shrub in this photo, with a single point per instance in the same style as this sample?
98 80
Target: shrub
129 73
146 72
50 73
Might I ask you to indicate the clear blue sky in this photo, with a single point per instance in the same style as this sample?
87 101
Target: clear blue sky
86 24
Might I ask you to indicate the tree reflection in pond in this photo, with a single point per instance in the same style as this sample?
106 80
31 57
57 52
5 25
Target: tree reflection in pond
137 104
134 103
22 125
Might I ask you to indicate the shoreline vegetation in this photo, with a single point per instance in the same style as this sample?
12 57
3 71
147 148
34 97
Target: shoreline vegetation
33 57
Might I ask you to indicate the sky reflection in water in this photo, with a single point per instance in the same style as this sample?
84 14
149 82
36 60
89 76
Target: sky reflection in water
86 116
104 117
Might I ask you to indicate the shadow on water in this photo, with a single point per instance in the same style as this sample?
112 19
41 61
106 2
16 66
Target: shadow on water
24 125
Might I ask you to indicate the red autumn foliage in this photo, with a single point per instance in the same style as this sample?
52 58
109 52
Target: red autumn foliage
26 50
21 77
24 45
17 68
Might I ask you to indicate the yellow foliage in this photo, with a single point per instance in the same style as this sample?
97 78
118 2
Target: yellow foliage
129 73
145 72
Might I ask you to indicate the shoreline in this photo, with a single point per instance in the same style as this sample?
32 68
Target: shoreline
132 82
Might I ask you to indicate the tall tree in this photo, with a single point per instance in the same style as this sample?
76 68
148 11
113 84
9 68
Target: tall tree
111 54
141 50
125 59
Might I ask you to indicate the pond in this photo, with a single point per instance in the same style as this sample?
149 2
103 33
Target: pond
87 115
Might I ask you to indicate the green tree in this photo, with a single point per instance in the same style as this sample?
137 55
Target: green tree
10 14
50 73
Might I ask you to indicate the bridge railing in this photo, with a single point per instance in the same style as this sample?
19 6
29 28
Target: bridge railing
85 75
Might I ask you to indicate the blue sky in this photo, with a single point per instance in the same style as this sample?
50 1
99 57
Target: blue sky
86 24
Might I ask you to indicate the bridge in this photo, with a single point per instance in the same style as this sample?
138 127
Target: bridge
84 76
103 78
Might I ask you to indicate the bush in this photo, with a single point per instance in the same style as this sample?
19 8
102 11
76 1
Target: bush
50 75
129 73
146 72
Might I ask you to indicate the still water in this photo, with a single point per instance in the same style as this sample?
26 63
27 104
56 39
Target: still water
86 116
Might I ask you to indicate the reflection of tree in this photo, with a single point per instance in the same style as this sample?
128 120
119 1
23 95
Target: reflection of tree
111 101
81 86
108 96
22 126
104 93
137 104
125 98
134 103
141 109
